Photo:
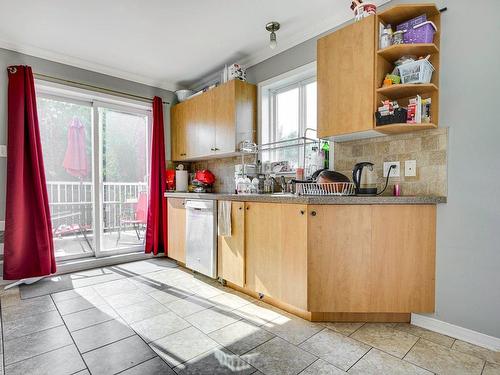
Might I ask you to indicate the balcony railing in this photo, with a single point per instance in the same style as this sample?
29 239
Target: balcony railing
76 197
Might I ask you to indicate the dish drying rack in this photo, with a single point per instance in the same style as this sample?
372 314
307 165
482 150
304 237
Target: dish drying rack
325 189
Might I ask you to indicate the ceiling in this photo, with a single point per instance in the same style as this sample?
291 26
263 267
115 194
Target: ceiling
164 43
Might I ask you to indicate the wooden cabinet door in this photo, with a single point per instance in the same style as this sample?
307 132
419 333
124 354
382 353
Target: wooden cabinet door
201 134
345 76
225 124
339 242
402 270
231 252
178 132
276 251
176 216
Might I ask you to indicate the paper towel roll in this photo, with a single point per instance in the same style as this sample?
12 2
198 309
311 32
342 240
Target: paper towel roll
181 180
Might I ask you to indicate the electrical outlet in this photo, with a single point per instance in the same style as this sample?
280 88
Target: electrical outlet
410 168
395 172
3 151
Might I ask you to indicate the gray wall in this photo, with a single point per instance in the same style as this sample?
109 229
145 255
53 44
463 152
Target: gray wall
69 73
468 249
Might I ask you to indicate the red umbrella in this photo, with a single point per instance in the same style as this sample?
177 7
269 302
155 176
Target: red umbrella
75 160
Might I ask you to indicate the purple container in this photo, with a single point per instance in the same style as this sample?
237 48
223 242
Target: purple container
410 23
421 33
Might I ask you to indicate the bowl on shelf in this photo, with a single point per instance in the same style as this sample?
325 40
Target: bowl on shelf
183 95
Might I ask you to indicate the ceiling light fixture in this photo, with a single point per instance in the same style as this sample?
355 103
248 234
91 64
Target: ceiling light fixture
272 27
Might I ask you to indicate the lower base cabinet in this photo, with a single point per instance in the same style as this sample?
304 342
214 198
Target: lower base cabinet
338 262
176 216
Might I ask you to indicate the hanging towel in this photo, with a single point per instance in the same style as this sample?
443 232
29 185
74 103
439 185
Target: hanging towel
224 219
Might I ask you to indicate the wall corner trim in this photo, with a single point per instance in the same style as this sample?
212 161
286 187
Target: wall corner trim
455 331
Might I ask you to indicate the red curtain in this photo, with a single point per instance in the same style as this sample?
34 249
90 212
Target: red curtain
156 232
28 247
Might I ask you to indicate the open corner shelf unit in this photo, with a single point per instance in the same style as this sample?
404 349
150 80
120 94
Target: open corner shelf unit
384 63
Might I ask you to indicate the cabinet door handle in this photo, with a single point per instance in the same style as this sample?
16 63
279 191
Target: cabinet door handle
213 149
183 154
216 149
313 213
302 212
239 208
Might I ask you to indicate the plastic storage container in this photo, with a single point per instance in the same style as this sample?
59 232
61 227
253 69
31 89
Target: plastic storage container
421 33
419 71
398 117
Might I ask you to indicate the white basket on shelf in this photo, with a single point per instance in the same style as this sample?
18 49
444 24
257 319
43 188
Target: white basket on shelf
330 188
419 71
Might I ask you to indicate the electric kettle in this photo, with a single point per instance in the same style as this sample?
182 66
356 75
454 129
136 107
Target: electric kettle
366 183
365 179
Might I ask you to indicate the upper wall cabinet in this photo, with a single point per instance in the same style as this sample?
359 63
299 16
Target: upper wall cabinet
351 69
214 123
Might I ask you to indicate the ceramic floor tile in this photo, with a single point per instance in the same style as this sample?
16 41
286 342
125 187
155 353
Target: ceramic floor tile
384 337
86 318
145 284
321 367
207 291
87 291
183 346
210 320
155 366
159 326
73 305
143 267
242 336
477 351
491 369
28 307
189 305
230 301
376 362
335 348
83 372
94 276
119 356
278 357
101 334
168 296
218 361
36 343
63 361
257 313
442 360
426 334
142 310
125 299
292 329
343 328
31 324
10 297
114 287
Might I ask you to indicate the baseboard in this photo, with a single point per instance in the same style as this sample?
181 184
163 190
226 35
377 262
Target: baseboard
455 331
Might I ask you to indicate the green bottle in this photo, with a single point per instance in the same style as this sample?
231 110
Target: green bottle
326 153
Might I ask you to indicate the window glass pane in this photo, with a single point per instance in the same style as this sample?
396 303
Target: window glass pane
66 136
124 175
311 108
287 114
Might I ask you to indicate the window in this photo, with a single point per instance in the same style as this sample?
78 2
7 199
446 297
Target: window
96 161
288 110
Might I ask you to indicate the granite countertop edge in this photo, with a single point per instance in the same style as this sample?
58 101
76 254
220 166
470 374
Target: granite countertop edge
295 199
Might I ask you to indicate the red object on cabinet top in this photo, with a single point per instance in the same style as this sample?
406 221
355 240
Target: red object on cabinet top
205 177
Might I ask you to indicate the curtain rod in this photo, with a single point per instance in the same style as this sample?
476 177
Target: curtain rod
93 88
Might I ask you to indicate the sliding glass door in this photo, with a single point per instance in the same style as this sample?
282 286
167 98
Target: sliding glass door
96 158
123 177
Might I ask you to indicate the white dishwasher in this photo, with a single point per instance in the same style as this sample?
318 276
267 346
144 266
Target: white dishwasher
201 236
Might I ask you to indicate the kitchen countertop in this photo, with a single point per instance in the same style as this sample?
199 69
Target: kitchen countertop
290 198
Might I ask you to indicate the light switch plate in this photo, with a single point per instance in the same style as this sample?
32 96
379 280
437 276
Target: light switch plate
395 172
3 151
410 168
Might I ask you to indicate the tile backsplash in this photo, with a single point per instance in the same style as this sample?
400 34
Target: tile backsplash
428 147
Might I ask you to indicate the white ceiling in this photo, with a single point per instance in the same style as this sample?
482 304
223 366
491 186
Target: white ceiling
164 43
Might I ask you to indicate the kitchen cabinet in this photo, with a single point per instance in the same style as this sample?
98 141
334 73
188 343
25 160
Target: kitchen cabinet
345 77
276 251
231 249
213 123
351 69
377 259
176 232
